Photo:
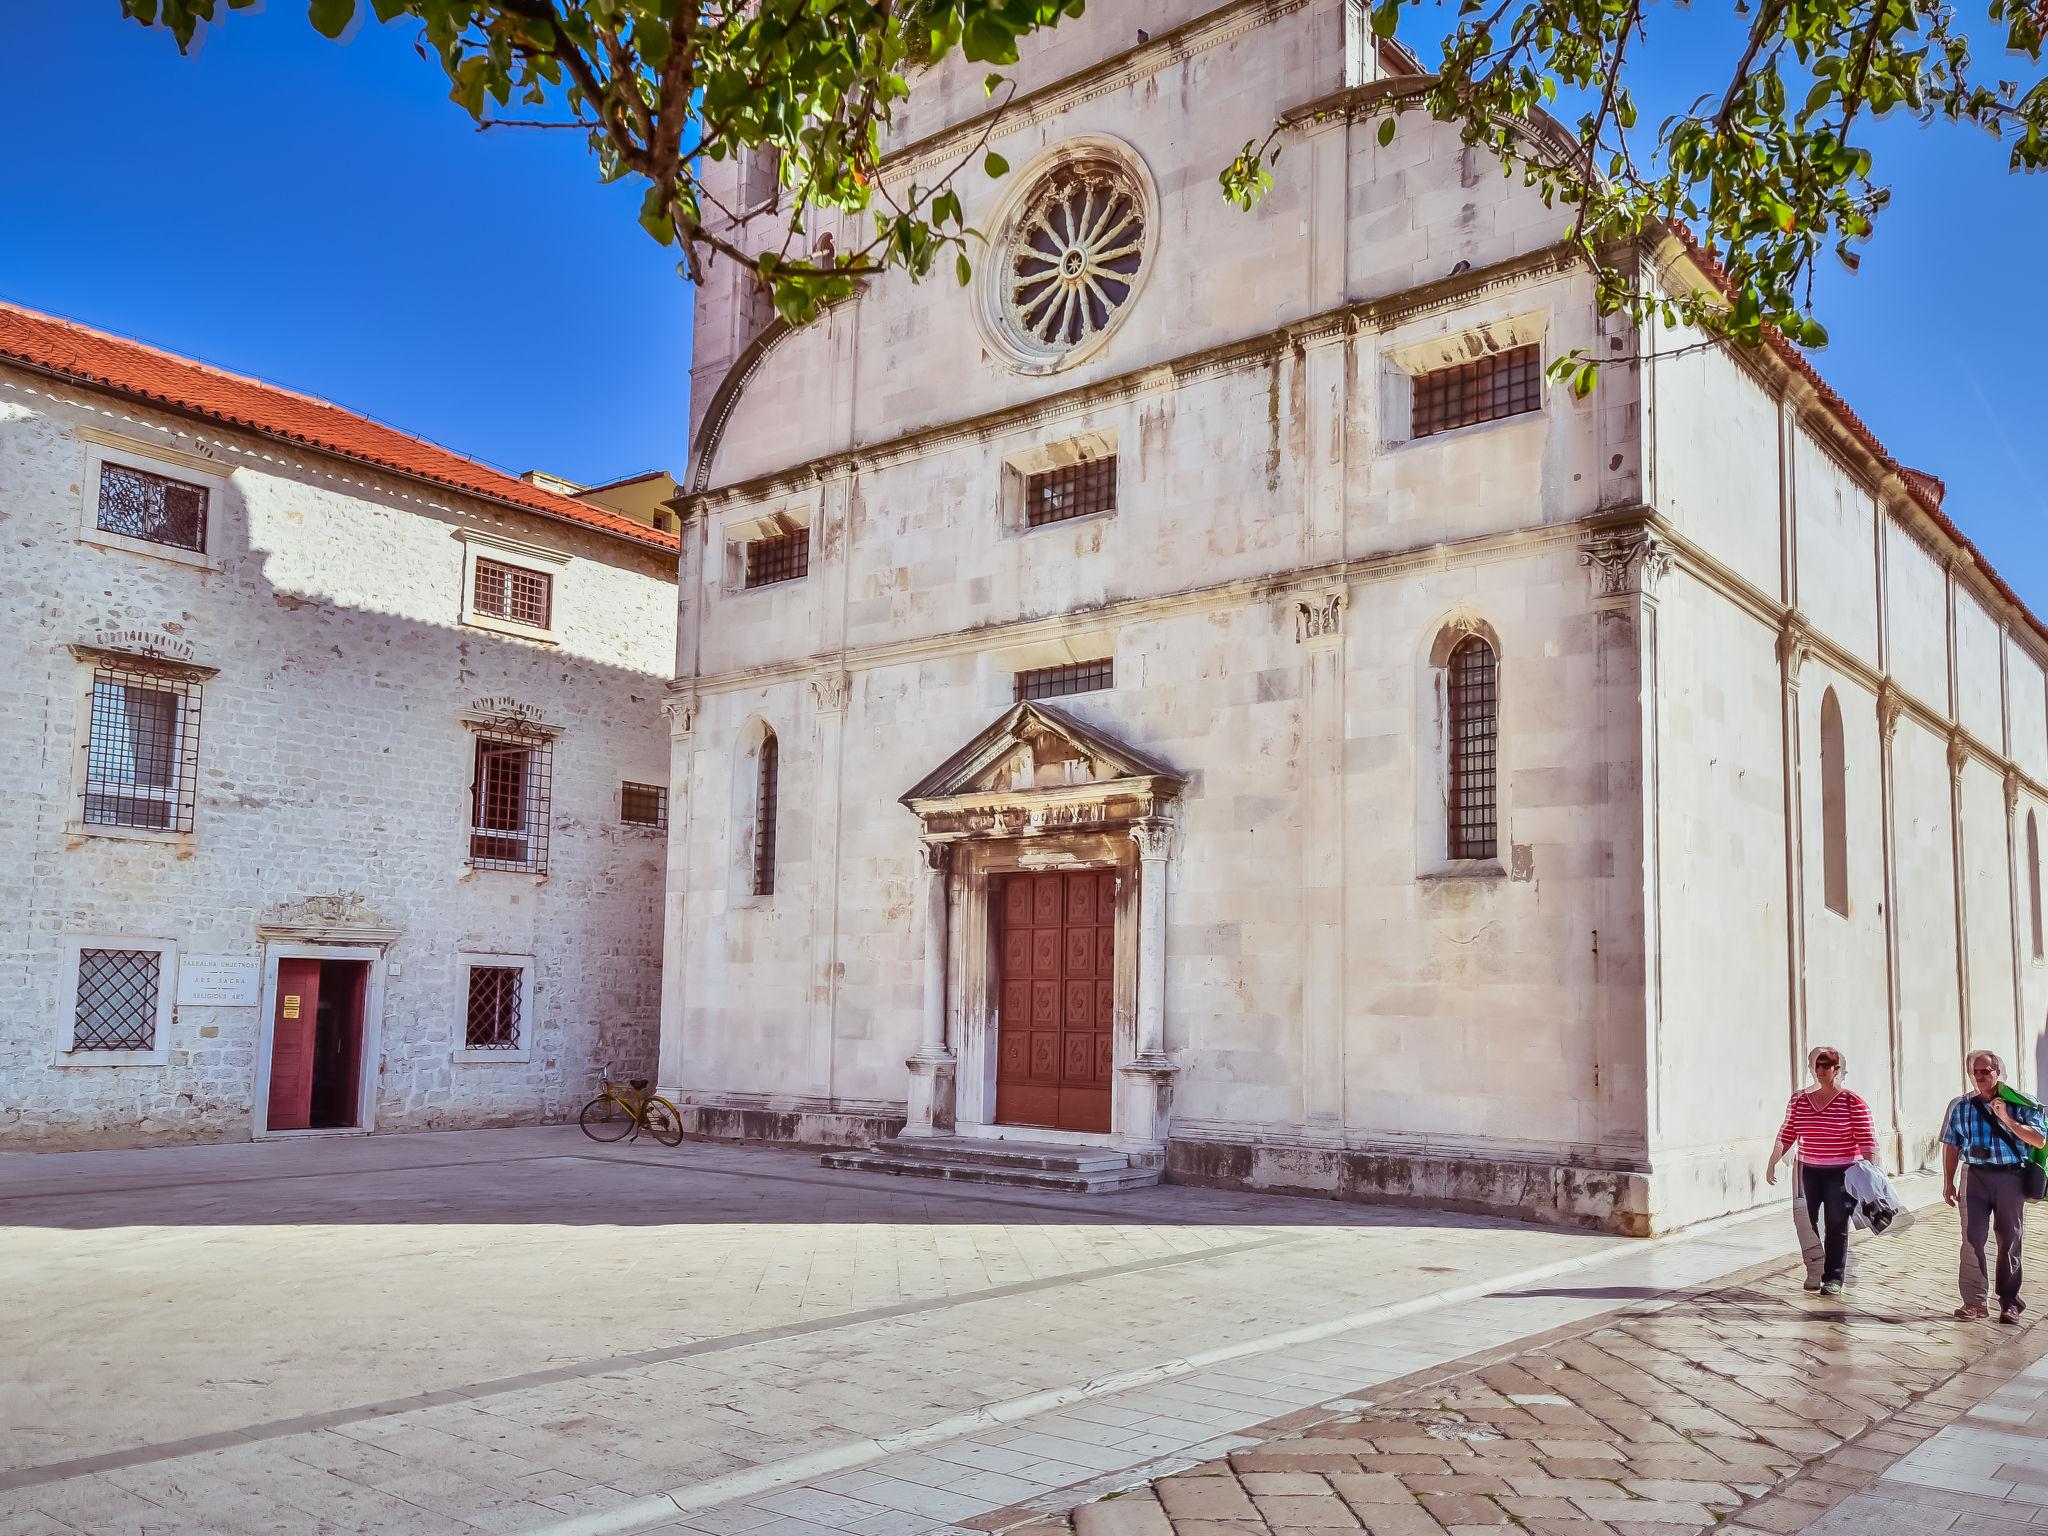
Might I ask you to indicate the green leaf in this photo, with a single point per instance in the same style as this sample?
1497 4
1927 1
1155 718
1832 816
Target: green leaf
1387 131
995 165
963 269
330 18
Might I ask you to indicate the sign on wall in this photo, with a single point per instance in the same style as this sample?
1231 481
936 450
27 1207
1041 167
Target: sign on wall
219 981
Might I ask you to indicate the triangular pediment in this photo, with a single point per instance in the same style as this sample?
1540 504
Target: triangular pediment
1034 747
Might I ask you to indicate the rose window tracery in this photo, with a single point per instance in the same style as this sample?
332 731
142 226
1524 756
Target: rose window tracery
1075 252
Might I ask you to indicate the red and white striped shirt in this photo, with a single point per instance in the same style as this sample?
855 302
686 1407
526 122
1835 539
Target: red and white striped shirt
1833 1137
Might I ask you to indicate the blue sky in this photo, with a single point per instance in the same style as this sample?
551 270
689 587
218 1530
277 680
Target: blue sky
322 216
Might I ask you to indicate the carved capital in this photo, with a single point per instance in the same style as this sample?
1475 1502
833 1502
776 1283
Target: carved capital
2012 791
1958 752
1795 644
831 690
1154 837
1890 705
1319 616
1625 561
934 856
681 709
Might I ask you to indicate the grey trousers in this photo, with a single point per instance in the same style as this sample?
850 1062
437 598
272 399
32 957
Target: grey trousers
1994 1200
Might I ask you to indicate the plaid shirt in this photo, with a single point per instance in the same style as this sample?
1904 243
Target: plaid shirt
1982 1139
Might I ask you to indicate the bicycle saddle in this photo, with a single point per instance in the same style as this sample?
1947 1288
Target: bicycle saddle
639 1084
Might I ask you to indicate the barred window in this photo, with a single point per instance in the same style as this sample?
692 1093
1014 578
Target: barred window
117 1000
1504 384
496 1007
1073 490
767 790
1073 677
141 749
515 594
1474 697
139 505
643 805
510 803
778 557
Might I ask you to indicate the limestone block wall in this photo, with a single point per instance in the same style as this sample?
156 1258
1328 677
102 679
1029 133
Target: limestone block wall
333 762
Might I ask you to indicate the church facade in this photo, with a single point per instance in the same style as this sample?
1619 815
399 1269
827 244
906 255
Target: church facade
1197 689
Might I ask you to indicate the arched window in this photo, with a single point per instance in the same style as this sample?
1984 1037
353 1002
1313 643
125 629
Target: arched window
1472 694
2034 879
1834 816
768 759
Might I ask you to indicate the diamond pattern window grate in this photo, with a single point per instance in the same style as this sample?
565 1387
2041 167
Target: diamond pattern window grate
1073 490
517 595
778 557
1072 677
643 805
142 749
1505 384
510 803
139 505
495 1008
117 1000
1475 729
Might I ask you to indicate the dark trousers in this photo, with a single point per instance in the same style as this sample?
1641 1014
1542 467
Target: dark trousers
1827 1192
1994 1199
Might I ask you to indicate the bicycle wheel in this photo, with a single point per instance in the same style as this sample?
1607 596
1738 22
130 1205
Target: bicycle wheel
604 1118
664 1124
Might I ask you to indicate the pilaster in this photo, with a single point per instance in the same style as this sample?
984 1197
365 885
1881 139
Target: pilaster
1319 633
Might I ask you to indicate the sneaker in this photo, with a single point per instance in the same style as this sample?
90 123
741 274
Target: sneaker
1972 1314
2009 1315
1831 1288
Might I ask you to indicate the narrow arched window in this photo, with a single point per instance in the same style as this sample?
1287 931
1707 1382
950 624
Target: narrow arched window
1834 814
2034 880
766 786
1472 694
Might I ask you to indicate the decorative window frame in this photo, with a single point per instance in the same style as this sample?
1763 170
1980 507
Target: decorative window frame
104 448
735 534
744 821
1013 504
510 730
1402 364
65 1055
91 658
1433 754
479 543
468 960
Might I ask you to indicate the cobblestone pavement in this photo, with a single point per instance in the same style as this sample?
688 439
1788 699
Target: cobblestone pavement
1749 1407
520 1331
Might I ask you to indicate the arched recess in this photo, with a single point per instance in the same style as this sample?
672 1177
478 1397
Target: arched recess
2034 879
756 801
1834 810
1460 809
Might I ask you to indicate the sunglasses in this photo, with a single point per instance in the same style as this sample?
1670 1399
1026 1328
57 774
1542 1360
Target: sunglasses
1826 1061
1983 1072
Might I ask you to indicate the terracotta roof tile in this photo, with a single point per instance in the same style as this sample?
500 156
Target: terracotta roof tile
76 352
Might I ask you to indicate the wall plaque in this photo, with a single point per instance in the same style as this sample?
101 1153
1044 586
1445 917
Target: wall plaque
219 981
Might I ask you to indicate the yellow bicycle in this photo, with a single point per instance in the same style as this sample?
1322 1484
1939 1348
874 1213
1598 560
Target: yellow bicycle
625 1108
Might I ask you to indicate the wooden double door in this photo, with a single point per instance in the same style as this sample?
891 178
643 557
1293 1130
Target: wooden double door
1056 947
316 1044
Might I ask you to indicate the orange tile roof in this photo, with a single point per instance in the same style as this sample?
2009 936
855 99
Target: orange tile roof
85 356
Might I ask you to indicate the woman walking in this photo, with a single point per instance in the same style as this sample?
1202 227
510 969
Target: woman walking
1831 1127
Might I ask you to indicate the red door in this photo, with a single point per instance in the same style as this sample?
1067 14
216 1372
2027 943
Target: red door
1054 1050
291 1045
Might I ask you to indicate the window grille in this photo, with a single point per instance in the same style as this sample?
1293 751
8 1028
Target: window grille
644 805
1073 490
1474 696
767 792
117 1000
495 1008
139 505
1073 677
142 749
514 593
1505 384
510 802
778 557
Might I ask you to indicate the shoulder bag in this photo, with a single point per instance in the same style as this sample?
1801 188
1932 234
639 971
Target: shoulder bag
2033 1175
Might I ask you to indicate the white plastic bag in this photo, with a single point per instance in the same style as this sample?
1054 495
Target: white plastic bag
1875 1207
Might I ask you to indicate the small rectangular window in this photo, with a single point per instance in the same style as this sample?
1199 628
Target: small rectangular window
139 505
1073 677
510 804
117 1000
496 1007
778 557
142 750
643 805
1505 384
1073 490
515 594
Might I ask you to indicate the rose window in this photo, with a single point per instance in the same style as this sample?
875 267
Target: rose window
1074 255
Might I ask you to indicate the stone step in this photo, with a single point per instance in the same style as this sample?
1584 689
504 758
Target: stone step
1098 1182
1051 1156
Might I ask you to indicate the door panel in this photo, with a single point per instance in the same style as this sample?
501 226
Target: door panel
1056 995
291 1045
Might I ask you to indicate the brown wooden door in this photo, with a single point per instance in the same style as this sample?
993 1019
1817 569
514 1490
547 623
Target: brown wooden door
1057 948
291 1045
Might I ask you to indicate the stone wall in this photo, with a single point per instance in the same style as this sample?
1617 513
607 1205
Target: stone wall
334 762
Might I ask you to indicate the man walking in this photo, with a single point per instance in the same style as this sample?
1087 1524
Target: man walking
1991 1137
